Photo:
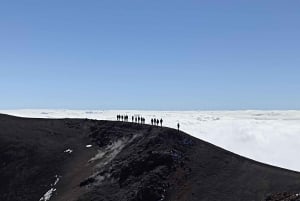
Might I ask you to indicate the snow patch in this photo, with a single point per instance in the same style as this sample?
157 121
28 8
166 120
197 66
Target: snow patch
56 181
50 192
88 146
68 151
48 195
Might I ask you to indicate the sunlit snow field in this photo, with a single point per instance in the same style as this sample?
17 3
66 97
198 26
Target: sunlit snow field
271 137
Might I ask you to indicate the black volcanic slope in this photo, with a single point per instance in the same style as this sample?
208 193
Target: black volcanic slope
127 161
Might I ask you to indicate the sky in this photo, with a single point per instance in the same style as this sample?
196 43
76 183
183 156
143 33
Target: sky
151 55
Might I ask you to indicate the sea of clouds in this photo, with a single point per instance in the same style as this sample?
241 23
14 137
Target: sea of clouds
271 137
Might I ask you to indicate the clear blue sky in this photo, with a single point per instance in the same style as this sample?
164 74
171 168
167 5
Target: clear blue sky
172 55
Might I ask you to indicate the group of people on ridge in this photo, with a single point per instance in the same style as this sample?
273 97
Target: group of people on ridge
156 122
136 119
141 120
122 117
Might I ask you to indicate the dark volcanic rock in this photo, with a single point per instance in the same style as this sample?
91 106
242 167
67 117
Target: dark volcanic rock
127 162
284 197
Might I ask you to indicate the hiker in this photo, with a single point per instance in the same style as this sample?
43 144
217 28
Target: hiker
157 122
135 119
122 117
161 121
178 126
132 118
151 121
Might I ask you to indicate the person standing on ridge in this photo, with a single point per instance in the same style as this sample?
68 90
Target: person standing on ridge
178 126
161 121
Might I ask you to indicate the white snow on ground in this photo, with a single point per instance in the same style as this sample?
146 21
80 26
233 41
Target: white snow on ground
68 151
50 192
56 181
48 195
271 137
88 146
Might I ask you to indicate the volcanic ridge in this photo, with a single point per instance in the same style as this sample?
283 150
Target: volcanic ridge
89 160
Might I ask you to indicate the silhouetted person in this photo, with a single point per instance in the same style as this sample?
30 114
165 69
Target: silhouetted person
139 118
122 117
151 121
157 122
132 118
135 119
161 121
178 126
